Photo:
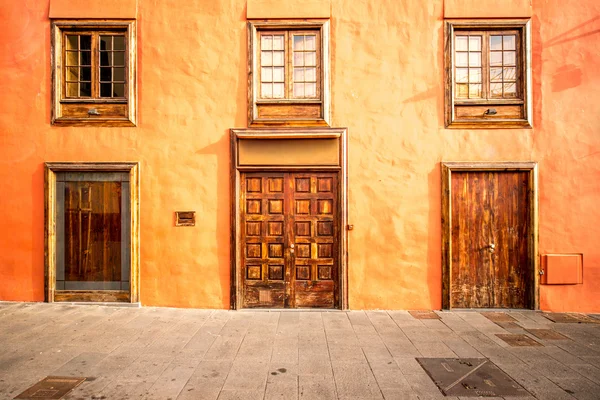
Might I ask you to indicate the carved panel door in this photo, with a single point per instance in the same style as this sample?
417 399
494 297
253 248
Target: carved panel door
490 240
289 240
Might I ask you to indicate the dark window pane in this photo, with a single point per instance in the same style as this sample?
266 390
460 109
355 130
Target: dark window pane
86 58
85 89
86 74
105 58
119 74
105 90
72 42
105 74
119 58
119 90
105 42
85 42
119 42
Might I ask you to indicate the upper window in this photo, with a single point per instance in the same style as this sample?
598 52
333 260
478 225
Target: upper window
94 73
488 74
289 70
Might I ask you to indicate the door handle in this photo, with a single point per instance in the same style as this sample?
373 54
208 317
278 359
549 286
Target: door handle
492 247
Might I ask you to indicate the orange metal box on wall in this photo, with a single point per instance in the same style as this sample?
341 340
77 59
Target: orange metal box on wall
323 153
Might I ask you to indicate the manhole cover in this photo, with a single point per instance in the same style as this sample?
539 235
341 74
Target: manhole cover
571 318
495 316
470 377
51 388
546 334
518 340
424 315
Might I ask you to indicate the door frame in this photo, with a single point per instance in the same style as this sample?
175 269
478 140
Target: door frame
341 166
465 166
50 237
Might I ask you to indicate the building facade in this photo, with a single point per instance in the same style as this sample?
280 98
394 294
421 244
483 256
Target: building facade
342 154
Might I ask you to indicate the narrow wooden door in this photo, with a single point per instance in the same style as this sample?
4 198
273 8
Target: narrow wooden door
289 243
490 266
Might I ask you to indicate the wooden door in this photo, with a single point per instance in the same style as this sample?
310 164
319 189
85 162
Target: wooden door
289 240
490 266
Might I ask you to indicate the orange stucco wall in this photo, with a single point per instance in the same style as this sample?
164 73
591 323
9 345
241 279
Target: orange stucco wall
387 60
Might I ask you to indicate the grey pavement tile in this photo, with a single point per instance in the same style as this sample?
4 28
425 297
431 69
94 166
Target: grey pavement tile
589 371
285 353
424 387
147 368
248 375
282 390
561 355
224 348
409 366
419 334
580 388
402 349
279 372
171 382
404 319
378 356
539 386
313 364
434 349
346 353
391 377
461 348
336 320
398 394
342 337
227 394
125 390
79 365
206 381
316 387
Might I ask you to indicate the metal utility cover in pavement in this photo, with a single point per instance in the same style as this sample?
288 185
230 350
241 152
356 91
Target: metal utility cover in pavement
518 340
571 318
424 315
496 316
51 388
470 377
546 334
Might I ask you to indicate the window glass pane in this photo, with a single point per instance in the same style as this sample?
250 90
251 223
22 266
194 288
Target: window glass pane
118 90
266 74
510 90
119 74
72 74
72 42
462 43
310 42
86 58
118 58
510 74
462 75
72 58
510 58
105 42
462 90
495 74
266 58
278 90
85 89
278 74
105 58
310 59
495 58
105 89
474 59
496 90
298 89
462 59
85 42
86 74
310 90
474 43
266 42
72 89
299 74
105 74
119 42
278 58
298 59
267 90
509 42
475 75
495 42
278 42
474 90
298 42
310 74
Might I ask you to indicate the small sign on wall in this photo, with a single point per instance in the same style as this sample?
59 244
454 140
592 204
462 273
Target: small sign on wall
562 269
185 218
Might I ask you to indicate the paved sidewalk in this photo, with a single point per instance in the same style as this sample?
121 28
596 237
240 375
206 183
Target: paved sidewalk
164 353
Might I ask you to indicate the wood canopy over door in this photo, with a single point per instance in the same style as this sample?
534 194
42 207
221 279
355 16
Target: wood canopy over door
92 232
289 239
490 235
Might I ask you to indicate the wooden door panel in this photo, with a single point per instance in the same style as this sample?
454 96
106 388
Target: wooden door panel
490 231
289 236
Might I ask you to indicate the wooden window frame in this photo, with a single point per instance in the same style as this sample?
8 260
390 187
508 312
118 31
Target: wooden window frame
93 111
449 167
289 112
473 113
50 235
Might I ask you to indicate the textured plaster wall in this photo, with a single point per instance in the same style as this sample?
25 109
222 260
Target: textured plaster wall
387 59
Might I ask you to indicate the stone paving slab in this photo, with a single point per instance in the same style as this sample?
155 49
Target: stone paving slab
165 353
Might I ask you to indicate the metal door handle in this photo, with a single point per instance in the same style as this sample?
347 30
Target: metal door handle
291 251
492 247
292 246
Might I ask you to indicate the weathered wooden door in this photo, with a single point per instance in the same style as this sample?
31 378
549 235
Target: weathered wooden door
289 240
490 213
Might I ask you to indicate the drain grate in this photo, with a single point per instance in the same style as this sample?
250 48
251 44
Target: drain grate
571 318
518 340
51 388
424 314
546 334
470 377
496 316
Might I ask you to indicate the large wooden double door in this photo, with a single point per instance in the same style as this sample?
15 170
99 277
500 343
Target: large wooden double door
289 240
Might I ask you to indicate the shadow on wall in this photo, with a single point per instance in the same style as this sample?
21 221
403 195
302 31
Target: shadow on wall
220 149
